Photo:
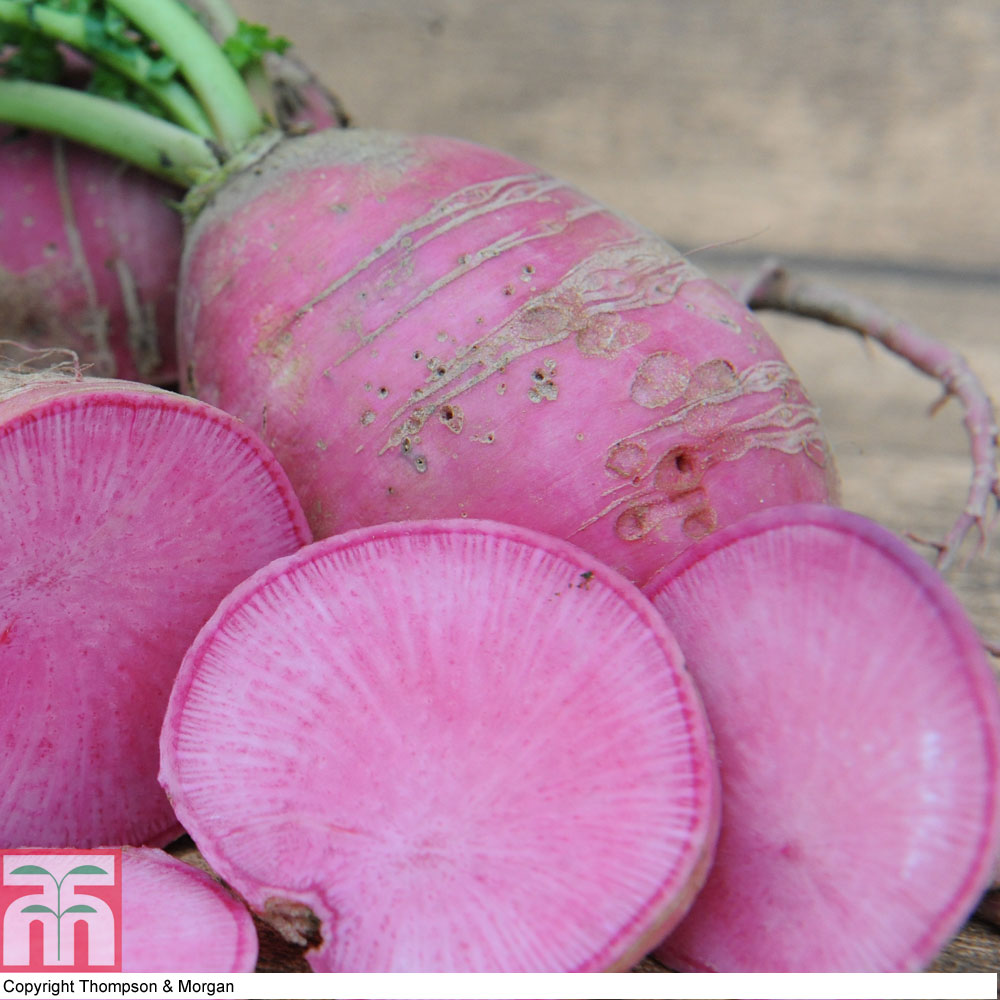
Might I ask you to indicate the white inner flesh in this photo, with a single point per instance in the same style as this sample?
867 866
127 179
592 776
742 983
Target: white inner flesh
122 525
855 764
461 757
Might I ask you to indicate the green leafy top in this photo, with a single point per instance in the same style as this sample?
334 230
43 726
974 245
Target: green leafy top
152 61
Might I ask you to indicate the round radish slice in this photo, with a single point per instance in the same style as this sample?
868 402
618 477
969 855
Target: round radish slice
462 745
857 727
126 514
176 918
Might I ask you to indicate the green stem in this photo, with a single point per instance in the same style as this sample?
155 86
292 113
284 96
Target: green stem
151 143
216 84
221 20
61 26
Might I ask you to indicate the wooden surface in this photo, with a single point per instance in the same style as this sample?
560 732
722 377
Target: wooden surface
858 139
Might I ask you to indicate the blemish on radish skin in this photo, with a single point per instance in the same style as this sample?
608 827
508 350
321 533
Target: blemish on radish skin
660 379
367 418
452 417
625 459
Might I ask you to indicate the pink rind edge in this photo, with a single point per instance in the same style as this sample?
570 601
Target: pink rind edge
662 912
984 682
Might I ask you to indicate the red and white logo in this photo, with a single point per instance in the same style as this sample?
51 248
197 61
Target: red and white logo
60 910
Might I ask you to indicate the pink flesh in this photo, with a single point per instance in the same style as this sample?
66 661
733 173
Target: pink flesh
176 918
126 514
465 746
90 257
420 327
857 728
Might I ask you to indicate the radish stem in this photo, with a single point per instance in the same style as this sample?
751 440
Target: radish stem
151 143
217 85
135 65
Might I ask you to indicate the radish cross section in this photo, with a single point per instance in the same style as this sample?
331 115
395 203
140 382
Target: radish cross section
464 746
126 514
857 725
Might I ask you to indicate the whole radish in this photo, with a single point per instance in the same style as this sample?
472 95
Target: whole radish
90 248
419 327
89 256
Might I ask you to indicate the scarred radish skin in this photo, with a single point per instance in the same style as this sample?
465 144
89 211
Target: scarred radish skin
463 745
176 918
857 726
422 327
126 514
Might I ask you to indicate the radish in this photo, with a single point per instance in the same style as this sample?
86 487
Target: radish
446 745
126 514
420 327
176 918
858 732
89 257
90 249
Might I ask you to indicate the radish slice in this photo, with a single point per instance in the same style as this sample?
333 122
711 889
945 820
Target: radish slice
126 514
464 746
176 918
857 726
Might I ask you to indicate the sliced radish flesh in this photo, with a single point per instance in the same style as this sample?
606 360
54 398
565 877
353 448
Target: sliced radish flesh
465 746
176 918
857 723
126 514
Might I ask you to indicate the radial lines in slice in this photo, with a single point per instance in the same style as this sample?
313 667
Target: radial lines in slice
464 745
857 727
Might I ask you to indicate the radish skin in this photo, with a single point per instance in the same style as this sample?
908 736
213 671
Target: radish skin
89 257
858 730
176 918
126 513
461 746
422 327
90 248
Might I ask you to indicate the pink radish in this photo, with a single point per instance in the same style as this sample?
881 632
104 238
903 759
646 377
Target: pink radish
422 327
858 732
178 919
126 514
90 249
458 745
89 257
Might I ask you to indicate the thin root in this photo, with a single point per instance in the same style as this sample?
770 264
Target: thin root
772 287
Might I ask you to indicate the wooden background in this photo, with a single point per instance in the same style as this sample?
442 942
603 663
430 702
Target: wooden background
857 139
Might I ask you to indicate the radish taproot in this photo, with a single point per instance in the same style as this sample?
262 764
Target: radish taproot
126 513
858 735
457 745
418 326
176 918
90 249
